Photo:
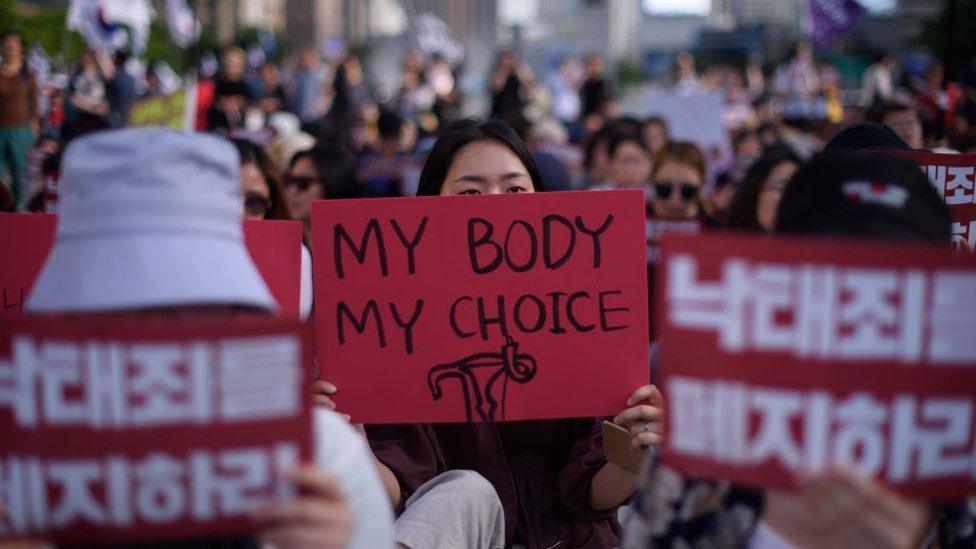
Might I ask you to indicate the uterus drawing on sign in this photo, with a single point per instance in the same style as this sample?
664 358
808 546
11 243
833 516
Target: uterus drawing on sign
482 401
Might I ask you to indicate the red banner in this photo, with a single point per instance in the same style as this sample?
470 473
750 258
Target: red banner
482 308
655 229
26 239
954 178
276 249
785 354
128 431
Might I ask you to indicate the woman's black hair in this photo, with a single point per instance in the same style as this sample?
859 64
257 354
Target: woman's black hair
589 148
743 209
619 139
252 153
464 132
625 124
336 168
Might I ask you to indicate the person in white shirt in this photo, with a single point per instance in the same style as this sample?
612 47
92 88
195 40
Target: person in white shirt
150 225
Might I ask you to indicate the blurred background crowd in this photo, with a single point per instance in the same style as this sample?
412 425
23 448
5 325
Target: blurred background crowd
340 99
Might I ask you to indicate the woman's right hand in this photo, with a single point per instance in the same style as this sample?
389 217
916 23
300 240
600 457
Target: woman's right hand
320 517
322 392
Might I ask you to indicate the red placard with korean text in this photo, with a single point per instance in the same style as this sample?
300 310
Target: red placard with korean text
481 308
954 178
26 240
276 249
126 431
786 354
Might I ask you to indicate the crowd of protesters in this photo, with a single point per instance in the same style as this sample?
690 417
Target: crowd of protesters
315 128
569 115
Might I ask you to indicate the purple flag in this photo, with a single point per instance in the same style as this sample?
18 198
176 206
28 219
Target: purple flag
831 19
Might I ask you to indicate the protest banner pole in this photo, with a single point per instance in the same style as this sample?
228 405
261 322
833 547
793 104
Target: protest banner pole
66 37
950 39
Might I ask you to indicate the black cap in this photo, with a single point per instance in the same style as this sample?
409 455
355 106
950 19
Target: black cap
866 137
870 196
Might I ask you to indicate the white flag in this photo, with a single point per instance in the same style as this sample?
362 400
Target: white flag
183 28
100 22
135 14
88 18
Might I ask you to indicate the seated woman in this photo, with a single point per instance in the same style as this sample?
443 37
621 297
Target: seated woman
554 484
835 507
755 204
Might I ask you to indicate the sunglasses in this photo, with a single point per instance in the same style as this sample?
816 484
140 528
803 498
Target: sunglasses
256 205
303 182
687 190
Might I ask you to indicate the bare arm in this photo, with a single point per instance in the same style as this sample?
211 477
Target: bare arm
390 482
611 486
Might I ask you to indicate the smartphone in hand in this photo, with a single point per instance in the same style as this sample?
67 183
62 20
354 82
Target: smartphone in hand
617 449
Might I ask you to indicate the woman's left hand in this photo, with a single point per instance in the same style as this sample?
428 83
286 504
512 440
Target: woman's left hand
838 508
644 418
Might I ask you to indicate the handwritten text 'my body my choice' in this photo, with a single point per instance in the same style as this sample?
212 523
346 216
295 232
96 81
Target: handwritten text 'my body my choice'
519 246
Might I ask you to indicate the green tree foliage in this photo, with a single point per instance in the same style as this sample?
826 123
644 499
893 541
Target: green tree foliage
46 26
629 72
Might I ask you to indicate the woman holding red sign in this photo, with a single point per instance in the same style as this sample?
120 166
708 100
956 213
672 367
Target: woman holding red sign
832 505
551 477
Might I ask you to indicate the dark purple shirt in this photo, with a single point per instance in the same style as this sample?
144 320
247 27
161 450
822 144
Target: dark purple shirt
540 469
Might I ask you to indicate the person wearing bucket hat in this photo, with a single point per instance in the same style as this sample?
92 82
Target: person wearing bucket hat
839 194
846 194
150 224
866 137
149 219
842 194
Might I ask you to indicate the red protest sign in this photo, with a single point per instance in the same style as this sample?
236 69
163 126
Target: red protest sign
276 249
469 308
954 178
128 431
656 228
782 354
25 241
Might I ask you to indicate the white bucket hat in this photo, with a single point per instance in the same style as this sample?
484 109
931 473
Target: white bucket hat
149 218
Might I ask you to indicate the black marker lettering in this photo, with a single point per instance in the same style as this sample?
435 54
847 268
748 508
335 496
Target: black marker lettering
547 235
342 310
604 311
572 316
556 326
360 252
595 235
484 320
485 239
533 249
12 304
408 325
454 323
540 308
412 243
